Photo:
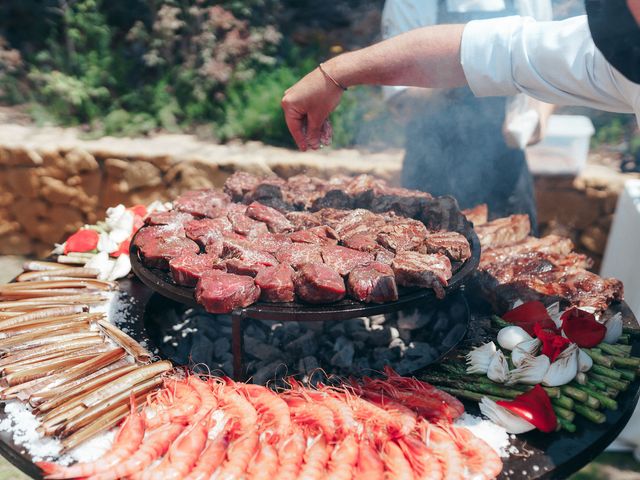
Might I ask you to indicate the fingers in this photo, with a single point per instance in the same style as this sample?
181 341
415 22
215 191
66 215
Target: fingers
326 133
295 123
314 131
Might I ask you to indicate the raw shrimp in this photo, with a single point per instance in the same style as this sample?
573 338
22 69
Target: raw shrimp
482 461
424 463
153 447
315 460
342 413
211 458
182 454
177 401
374 417
445 450
312 416
240 411
291 454
126 442
370 465
265 464
396 464
209 401
404 417
273 412
239 454
343 459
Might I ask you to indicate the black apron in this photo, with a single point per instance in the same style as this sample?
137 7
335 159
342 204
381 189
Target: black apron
456 147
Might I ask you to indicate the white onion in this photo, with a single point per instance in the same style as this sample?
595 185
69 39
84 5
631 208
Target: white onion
498 370
554 312
509 337
511 422
585 362
564 369
479 358
523 349
531 370
614 328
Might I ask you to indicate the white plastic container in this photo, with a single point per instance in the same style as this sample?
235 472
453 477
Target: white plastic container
565 147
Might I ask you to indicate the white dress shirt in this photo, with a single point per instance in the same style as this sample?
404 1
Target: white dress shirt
399 16
556 62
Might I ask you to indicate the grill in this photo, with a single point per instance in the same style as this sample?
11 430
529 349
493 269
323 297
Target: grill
160 282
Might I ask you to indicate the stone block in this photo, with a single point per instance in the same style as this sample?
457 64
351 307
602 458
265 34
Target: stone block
79 160
570 208
23 182
20 157
115 167
113 192
142 174
6 198
56 191
16 244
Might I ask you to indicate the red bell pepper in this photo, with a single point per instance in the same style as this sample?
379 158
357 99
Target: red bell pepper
552 343
84 240
535 407
582 328
528 315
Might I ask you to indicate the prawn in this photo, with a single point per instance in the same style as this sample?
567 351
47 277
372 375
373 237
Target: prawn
177 401
311 415
395 463
265 464
343 459
342 413
182 454
241 412
126 442
153 447
290 455
209 401
212 456
239 454
482 461
315 460
405 419
273 411
370 465
424 463
445 450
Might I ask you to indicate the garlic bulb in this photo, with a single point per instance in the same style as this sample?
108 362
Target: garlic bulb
614 328
531 370
585 362
530 347
554 312
498 370
479 358
509 337
501 416
564 369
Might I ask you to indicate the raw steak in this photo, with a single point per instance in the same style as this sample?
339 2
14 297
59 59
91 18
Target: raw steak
333 199
404 234
202 203
207 231
301 220
322 235
359 221
156 252
246 226
220 292
384 256
372 283
171 217
272 242
243 259
343 259
187 269
452 244
239 184
301 190
331 216
363 242
318 283
276 283
413 269
297 254
275 220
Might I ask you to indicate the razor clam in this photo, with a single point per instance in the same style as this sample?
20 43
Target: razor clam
39 266
132 347
86 298
47 313
37 342
60 284
9 294
59 274
24 375
55 328
101 348
48 349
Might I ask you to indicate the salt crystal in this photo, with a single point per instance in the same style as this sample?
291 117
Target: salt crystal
495 435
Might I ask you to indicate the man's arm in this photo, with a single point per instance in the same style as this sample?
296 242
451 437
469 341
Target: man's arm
426 57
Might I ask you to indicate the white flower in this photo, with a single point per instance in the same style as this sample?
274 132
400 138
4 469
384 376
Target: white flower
509 337
564 369
511 422
479 358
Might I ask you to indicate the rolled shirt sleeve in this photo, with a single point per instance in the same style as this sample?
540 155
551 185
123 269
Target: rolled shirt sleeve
556 62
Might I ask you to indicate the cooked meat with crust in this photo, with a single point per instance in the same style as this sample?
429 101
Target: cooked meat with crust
478 215
414 269
552 244
405 234
451 244
503 232
239 184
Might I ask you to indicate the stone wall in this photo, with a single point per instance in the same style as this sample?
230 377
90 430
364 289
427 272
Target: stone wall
52 182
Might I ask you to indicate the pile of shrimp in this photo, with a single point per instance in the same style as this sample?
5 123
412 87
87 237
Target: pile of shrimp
215 428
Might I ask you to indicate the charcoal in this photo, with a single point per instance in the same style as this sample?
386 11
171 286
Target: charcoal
260 350
303 345
380 337
407 366
421 350
202 350
256 332
405 334
334 199
344 353
398 343
356 324
266 373
220 347
377 320
413 320
336 329
227 367
308 364
290 331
